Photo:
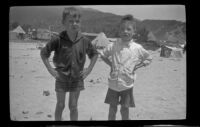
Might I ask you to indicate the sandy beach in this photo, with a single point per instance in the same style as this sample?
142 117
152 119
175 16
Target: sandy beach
159 91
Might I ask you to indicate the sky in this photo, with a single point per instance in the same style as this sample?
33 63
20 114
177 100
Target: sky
162 12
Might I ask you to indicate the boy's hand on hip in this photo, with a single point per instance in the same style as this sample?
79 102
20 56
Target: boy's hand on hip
113 74
53 72
85 72
139 66
146 63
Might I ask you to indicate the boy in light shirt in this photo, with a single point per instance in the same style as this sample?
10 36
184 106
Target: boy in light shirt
123 56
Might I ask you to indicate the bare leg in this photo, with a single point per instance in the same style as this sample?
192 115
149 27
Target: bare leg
112 112
73 102
124 113
60 105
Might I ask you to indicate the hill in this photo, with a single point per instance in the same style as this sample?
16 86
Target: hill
171 30
94 21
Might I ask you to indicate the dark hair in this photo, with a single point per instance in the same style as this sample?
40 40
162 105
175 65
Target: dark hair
72 11
129 18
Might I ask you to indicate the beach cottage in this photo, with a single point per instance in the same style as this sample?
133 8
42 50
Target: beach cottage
17 33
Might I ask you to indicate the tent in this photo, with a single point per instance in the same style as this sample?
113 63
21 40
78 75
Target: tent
101 41
151 37
19 30
17 33
167 51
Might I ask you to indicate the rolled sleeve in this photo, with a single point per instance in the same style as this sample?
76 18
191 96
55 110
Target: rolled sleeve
52 45
144 54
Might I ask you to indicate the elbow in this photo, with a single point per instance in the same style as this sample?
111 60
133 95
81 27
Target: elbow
94 57
42 54
150 58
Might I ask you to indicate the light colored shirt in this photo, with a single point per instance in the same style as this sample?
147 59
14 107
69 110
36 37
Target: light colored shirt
124 58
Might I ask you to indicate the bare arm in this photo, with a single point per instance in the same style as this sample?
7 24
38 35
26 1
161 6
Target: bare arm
148 60
145 61
45 54
87 71
92 62
47 64
106 60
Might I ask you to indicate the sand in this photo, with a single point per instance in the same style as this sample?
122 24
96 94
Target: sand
159 91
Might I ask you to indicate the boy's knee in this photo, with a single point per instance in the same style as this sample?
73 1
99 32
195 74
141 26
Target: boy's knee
113 108
124 109
61 105
72 107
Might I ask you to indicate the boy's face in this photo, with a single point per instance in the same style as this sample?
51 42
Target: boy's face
72 23
126 31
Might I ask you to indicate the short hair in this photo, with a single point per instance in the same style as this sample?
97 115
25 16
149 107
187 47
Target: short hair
129 18
70 11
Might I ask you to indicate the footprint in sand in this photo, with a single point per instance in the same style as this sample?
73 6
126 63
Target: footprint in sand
49 116
46 93
39 113
25 117
91 80
25 112
33 71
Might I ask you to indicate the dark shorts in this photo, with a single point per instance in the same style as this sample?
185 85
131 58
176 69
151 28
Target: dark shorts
69 86
125 98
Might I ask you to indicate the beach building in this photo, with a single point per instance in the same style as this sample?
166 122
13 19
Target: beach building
17 33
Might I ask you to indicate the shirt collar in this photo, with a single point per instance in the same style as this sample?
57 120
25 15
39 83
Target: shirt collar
64 35
128 43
